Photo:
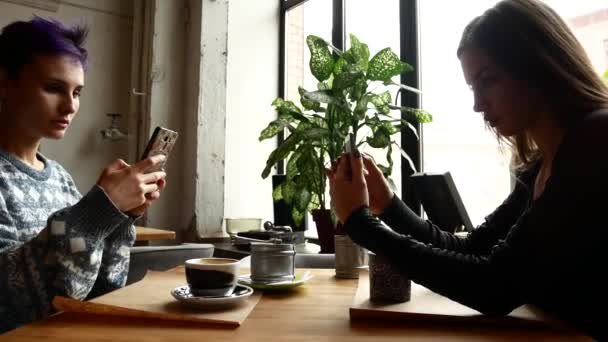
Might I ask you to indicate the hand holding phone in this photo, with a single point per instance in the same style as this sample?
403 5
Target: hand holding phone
161 142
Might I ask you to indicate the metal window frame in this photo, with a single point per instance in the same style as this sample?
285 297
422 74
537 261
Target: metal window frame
409 46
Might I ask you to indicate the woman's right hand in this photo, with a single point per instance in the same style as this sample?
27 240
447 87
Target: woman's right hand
127 185
380 193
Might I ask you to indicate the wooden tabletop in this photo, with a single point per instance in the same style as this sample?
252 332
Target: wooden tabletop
317 311
147 234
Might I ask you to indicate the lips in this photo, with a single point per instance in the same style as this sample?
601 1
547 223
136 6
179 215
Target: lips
61 123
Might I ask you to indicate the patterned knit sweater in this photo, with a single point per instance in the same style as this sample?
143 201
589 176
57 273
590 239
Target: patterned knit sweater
53 241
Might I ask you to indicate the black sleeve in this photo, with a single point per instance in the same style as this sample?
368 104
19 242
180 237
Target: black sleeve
403 220
551 255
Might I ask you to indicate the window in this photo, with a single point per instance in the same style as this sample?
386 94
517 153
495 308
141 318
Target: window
456 140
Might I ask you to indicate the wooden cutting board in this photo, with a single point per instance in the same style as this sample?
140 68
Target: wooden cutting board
151 298
426 305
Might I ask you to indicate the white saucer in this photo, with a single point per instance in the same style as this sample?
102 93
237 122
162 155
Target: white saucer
282 285
183 294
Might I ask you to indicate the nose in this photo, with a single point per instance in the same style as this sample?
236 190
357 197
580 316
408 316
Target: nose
69 105
479 103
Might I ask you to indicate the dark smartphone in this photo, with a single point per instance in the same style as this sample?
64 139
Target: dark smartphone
161 142
350 148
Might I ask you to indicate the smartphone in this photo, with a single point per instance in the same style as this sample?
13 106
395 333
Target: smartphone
350 148
161 142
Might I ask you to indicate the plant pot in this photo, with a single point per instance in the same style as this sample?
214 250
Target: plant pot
325 229
282 210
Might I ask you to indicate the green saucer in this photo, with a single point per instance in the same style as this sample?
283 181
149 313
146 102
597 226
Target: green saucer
283 285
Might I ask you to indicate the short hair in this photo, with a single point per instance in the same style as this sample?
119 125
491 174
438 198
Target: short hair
532 42
21 41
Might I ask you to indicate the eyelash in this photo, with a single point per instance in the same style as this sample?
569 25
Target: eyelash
53 88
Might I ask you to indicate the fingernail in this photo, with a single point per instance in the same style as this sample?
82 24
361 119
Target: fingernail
356 153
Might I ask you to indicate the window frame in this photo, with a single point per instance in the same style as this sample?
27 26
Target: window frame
409 51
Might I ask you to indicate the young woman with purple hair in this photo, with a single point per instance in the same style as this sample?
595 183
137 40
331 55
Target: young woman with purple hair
53 240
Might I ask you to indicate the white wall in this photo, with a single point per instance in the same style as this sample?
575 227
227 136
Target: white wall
166 103
252 86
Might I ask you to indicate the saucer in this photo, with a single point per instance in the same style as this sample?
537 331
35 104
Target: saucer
183 294
281 285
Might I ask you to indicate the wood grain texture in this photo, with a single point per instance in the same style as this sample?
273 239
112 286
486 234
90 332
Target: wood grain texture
151 298
147 234
316 311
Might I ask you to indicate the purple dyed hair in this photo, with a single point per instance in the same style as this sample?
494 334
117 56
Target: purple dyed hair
21 41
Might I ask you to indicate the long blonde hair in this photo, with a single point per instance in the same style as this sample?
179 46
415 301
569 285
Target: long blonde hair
532 42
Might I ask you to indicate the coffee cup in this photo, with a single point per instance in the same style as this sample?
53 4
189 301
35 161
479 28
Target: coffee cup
386 282
212 276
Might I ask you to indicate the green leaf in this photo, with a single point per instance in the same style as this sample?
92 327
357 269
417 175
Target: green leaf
298 216
274 128
288 190
280 153
419 115
381 102
301 199
347 79
358 89
361 108
338 67
386 65
306 102
357 55
277 193
406 157
321 60
285 107
381 135
321 96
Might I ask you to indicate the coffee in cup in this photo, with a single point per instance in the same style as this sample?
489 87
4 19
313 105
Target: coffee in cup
212 276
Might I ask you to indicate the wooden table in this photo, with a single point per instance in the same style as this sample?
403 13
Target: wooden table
318 311
147 234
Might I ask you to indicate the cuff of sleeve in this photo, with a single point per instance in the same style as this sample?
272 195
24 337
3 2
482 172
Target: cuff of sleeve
356 217
123 234
96 215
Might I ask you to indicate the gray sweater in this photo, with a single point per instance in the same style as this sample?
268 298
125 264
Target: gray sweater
54 241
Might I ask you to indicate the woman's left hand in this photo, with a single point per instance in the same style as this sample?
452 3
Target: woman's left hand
347 193
150 198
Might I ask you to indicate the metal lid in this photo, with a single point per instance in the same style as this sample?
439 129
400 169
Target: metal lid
275 246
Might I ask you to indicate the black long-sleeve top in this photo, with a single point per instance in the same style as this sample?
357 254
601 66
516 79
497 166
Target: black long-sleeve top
547 252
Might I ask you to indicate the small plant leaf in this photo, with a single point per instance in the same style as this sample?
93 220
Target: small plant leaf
321 59
386 65
357 55
419 115
277 193
274 128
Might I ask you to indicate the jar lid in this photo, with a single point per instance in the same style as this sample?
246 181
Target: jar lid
271 246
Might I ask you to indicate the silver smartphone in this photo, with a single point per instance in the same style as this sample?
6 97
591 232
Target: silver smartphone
161 142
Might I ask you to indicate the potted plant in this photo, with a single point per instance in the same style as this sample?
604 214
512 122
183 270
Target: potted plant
352 96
